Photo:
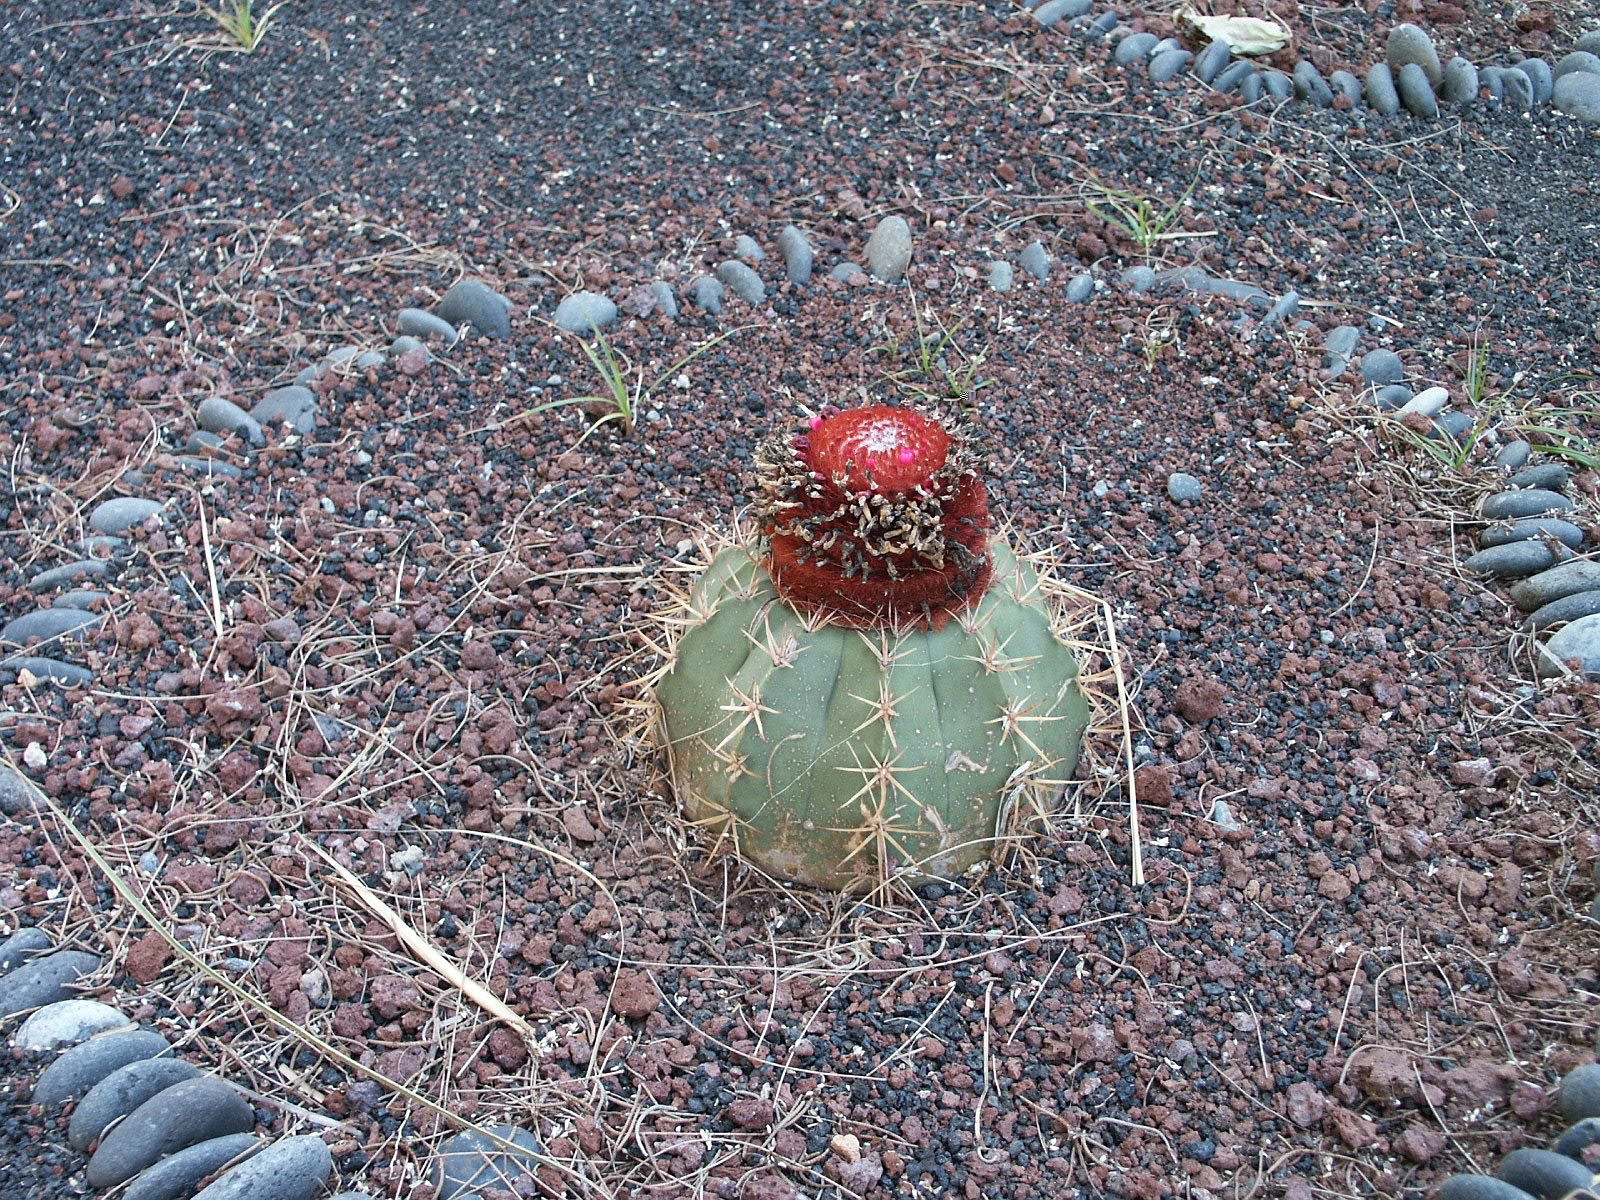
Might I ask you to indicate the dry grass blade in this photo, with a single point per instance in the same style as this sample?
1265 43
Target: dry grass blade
425 950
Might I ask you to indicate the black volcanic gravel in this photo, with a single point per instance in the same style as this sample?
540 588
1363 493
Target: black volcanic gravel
1372 983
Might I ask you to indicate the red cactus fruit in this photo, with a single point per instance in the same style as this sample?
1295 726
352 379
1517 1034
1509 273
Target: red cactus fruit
876 518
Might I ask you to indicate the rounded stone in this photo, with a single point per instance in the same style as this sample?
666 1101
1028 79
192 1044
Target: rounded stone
1052 12
66 1023
405 344
665 300
370 358
121 513
889 249
82 598
1278 85
469 1162
1578 1137
1478 1187
1517 89
1410 45
1342 340
1181 486
1513 560
1513 455
1578 96
1564 532
44 980
1347 85
1380 90
1165 66
46 625
1309 84
747 249
1001 275
1430 402
1523 502
1569 579
585 312
743 282
422 324
295 1168
1580 1093
122 1091
1416 93
1139 279
1492 80
176 1176
178 1116
1460 85
1132 47
29 941
1392 397
473 302
1235 75
1540 76
1081 288
52 670
707 293
79 1069
1251 88
1541 475
219 415
1456 426
1379 367
293 406
72 572
1590 42
1579 642
1543 1173
1035 261
1210 62
798 257
1559 612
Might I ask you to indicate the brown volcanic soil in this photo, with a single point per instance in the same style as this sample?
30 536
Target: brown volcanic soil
1372 983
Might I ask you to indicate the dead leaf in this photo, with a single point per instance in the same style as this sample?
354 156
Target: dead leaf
1245 36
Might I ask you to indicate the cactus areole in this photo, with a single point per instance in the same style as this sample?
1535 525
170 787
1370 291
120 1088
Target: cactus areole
879 691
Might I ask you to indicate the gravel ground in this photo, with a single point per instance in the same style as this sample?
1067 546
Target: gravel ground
408 638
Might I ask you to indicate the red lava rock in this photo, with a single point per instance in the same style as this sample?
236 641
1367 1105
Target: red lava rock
1420 1144
751 1113
479 656
1354 1130
148 957
576 822
1384 1074
1473 772
1200 700
635 995
393 995
507 1048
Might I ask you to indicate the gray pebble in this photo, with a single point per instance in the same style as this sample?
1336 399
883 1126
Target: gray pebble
1540 76
44 980
1134 46
473 302
889 249
1577 1139
1245 293
306 376
666 302
188 1112
295 1168
122 1091
1052 11
405 344
1182 486
1429 402
1345 84
1514 560
707 293
1579 640
1453 426
1410 45
1236 73
1286 306
421 324
1492 80
468 1162
1512 455
47 625
585 312
1578 96
1564 532
293 406
1139 279
368 359
84 568
207 466
1416 93
1101 26
1035 261
1380 92
121 513
1460 84
1590 41
1081 288
1000 275
176 1176
79 1069
1251 89
747 250
1165 66
1523 502
51 669
846 271
1569 579
200 441
1343 340
29 941
1310 86
1544 1173
797 255
1559 612
1478 1187
1517 89
66 1023
1278 85
1542 475
1212 60
1381 366
338 356
218 415
742 281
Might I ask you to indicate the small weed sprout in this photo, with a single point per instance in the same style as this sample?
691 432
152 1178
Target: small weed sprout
240 24
1136 216
935 346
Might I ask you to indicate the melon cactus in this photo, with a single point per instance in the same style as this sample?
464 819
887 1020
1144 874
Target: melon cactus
878 690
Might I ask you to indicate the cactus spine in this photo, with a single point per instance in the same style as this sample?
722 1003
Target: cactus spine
877 691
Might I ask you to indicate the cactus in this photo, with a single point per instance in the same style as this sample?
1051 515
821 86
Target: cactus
878 690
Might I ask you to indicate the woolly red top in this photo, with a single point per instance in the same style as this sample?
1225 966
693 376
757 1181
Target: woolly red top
877 517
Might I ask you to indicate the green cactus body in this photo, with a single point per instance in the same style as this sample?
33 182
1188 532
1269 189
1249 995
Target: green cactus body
842 757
